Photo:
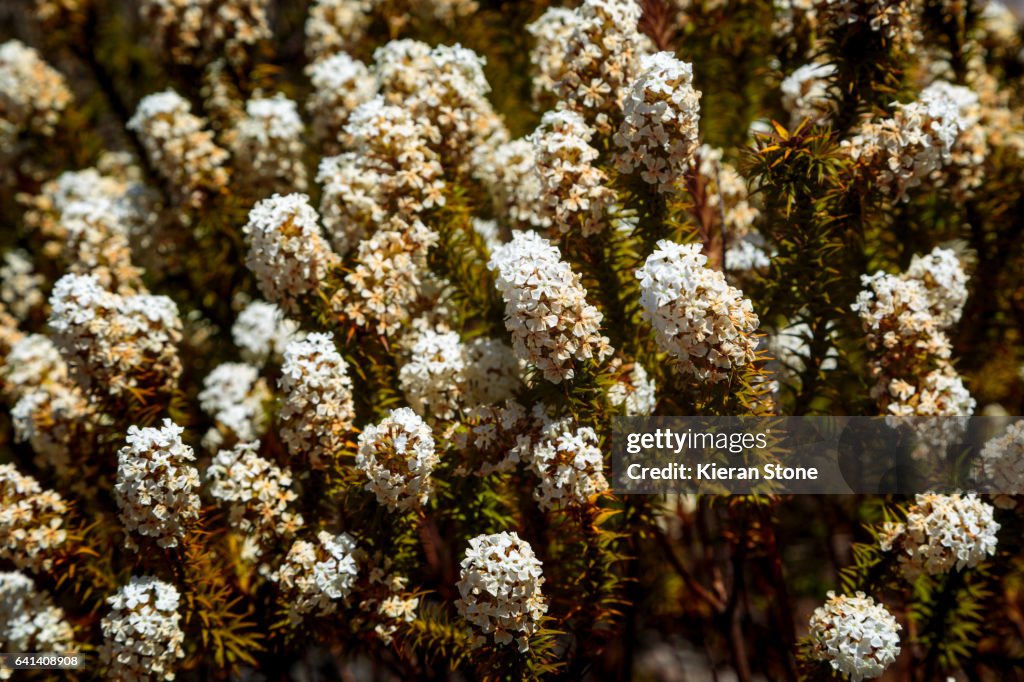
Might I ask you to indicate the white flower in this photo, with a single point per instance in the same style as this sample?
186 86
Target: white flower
29 621
635 392
257 493
317 409
943 532
31 521
500 588
33 94
20 285
234 395
805 92
315 576
195 31
142 634
856 636
573 189
268 144
1000 463
287 253
697 316
659 135
179 148
546 311
568 464
397 455
261 331
156 488
340 84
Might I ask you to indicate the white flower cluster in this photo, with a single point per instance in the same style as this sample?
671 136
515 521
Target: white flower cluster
918 140
568 464
805 92
388 277
316 575
700 319
156 488
389 172
261 331
727 195
32 361
790 14
268 145
495 437
194 31
443 374
551 33
142 635
287 253
661 110
858 637
500 588
601 60
336 26
179 148
574 191
340 84
397 455
47 409
20 285
1000 464
258 495
510 174
96 243
942 532
119 345
33 94
31 521
546 311
57 420
316 401
235 397
446 86
29 621
634 391
905 317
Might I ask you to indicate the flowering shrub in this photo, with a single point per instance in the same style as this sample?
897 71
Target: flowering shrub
316 319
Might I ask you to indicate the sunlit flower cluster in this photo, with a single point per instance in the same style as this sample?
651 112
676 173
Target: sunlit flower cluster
908 149
905 317
551 33
700 319
29 621
287 252
942 532
316 399
601 60
634 391
115 345
568 464
389 172
261 332
32 528
856 636
179 147
661 110
546 311
510 174
573 190
1000 464
20 285
397 456
500 589
316 575
142 635
157 486
235 397
259 496
268 145
340 84
33 94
